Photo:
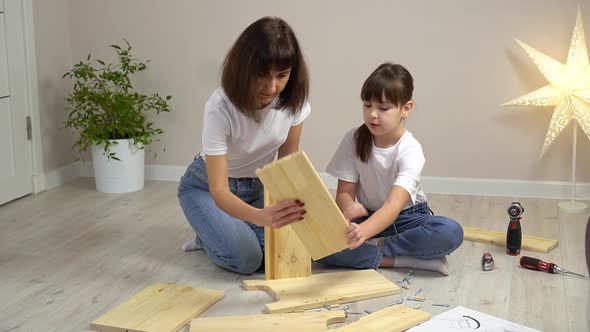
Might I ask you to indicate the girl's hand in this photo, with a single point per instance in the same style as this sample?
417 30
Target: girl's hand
354 210
280 214
355 236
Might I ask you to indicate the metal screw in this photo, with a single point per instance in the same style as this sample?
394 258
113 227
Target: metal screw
396 303
418 292
408 276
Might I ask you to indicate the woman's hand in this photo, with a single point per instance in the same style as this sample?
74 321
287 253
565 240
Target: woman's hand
355 236
280 214
354 210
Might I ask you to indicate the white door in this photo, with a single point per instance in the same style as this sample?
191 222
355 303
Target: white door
15 147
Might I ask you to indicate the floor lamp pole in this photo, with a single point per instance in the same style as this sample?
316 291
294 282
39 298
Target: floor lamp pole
573 206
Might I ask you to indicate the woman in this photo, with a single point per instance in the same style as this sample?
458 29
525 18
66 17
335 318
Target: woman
257 113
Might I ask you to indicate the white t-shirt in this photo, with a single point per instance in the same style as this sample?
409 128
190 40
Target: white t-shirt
247 144
399 165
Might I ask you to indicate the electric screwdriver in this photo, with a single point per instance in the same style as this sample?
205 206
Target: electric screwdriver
514 233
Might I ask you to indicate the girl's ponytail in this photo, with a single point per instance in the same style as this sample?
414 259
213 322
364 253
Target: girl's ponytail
364 143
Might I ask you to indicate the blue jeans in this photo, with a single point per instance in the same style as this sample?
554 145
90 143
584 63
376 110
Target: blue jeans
229 242
415 232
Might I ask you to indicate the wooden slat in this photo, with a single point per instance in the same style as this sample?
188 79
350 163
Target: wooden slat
391 319
532 243
294 322
327 288
284 254
323 230
160 307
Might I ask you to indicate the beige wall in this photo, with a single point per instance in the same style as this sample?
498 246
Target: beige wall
54 58
461 53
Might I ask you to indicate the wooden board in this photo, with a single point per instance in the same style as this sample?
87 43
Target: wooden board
499 238
323 230
326 288
158 308
294 322
391 319
284 254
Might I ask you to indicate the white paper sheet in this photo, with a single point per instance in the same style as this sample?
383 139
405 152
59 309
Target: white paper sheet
463 319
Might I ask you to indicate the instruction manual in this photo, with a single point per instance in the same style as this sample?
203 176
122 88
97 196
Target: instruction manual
462 319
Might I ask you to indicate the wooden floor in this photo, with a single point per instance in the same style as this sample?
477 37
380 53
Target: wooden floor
69 255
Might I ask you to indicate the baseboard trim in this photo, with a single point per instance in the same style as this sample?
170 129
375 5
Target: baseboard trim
506 188
152 172
433 185
58 177
492 187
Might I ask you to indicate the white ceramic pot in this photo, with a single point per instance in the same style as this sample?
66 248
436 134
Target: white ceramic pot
119 176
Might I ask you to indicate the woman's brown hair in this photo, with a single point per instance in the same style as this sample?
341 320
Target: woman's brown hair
265 44
392 82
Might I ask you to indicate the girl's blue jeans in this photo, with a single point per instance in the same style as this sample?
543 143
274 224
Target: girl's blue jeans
415 232
230 243
238 246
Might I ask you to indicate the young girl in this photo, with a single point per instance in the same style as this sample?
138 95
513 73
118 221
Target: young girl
256 114
379 164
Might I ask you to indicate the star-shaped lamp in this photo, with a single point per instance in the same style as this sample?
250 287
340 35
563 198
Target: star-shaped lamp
568 92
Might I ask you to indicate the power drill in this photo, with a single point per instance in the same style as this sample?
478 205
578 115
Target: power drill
514 233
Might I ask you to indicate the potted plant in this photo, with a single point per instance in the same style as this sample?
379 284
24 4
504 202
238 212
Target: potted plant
111 119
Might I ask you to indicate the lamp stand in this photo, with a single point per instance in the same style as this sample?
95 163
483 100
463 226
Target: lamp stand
573 206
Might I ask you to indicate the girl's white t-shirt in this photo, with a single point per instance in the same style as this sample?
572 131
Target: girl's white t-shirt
247 144
398 165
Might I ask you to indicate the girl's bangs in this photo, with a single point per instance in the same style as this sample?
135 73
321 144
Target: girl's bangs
378 87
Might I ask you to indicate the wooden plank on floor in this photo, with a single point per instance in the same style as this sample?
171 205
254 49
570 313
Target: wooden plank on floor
284 254
293 322
160 307
323 230
396 318
532 243
326 288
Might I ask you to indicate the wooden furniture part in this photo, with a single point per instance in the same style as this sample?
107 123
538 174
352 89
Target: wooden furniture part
323 230
294 322
284 254
391 319
158 308
499 238
326 288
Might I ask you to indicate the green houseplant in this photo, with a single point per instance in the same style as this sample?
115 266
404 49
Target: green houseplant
104 106
111 118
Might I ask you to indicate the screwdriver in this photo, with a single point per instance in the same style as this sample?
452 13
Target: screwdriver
539 265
